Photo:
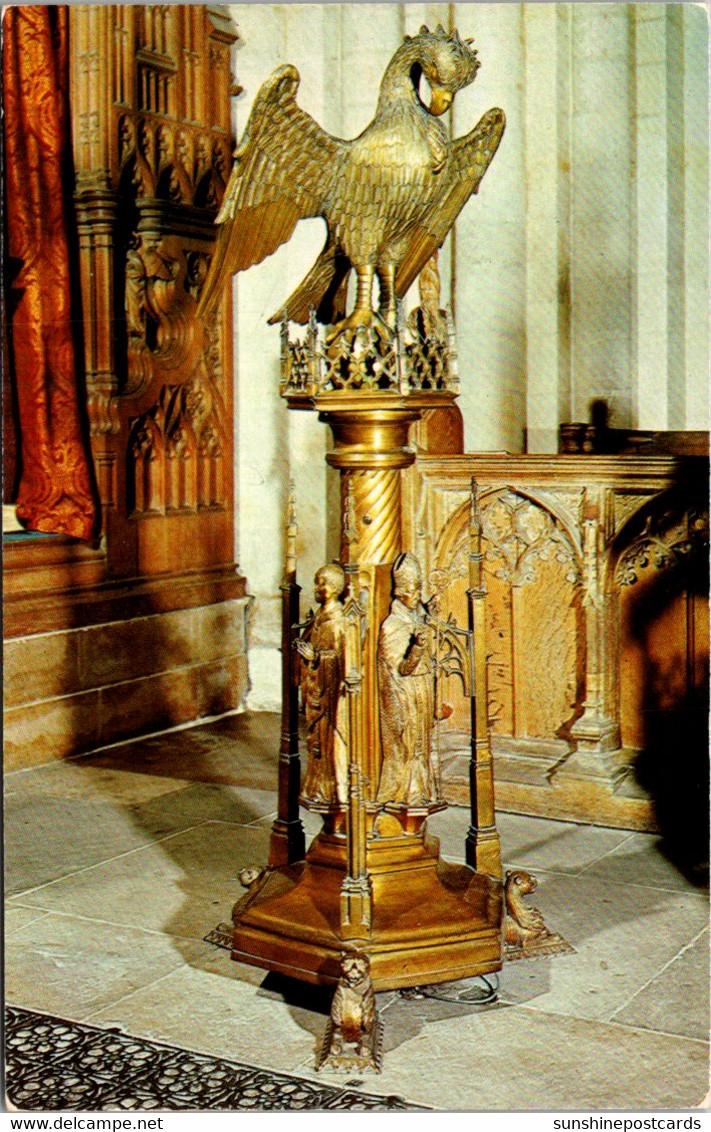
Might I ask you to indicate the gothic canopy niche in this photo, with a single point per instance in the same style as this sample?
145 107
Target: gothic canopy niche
150 101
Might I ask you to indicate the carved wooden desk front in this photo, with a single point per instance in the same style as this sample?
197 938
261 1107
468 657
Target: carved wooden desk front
597 622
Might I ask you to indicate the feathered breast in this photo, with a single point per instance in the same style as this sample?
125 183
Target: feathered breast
387 181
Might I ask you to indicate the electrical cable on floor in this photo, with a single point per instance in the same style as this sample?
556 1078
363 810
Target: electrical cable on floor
481 990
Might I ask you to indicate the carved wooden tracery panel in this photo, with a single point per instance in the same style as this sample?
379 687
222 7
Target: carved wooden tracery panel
151 105
178 454
532 571
619 597
521 534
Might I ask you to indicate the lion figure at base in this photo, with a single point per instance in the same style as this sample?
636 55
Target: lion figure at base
523 922
353 1036
525 931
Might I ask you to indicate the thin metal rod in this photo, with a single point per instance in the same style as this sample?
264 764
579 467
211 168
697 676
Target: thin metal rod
288 842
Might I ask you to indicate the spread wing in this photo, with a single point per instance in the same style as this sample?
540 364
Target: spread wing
284 166
469 159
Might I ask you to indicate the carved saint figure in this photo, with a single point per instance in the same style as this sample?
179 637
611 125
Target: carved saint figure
321 679
406 688
135 293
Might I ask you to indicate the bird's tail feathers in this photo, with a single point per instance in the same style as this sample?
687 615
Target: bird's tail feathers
323 291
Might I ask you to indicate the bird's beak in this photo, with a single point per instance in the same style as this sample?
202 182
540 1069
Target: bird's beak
441 101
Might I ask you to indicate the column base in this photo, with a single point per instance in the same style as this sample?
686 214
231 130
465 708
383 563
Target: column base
597 752
483 851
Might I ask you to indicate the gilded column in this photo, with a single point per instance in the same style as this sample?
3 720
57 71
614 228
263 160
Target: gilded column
370 450
376 500
356 887
483 846
288 843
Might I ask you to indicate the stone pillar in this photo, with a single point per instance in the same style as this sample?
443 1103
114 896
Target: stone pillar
600 261
483 845
652 206
546 65
695 92
490 270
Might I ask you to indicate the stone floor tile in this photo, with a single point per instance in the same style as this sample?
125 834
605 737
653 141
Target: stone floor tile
198 802
556 846
213 1009
19 919
450 828
623 937
155 800
237 750
183 885
77 778
677 1000
641 860
65 816
518 1059
154 833
84 815
72 967
312 823
51 837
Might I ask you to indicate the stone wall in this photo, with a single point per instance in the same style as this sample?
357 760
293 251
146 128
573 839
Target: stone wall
76 689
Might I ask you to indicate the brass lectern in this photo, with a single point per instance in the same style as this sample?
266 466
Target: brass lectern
371 891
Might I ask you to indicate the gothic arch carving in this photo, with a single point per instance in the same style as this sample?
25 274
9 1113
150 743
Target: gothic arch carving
555 534
177 451
150 175
533 572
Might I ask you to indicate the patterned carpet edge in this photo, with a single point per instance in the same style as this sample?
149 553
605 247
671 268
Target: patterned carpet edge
54 1064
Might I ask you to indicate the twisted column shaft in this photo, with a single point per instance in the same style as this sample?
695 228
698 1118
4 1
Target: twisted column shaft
376 497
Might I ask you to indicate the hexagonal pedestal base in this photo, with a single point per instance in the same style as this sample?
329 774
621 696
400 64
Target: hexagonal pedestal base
432 921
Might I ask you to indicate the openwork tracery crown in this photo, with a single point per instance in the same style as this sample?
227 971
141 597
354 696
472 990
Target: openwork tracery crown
371 359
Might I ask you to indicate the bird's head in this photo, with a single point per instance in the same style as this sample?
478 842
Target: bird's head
447 62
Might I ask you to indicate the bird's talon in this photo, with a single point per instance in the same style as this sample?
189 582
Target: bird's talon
362 318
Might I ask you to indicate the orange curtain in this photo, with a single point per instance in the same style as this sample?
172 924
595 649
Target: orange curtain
55 492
